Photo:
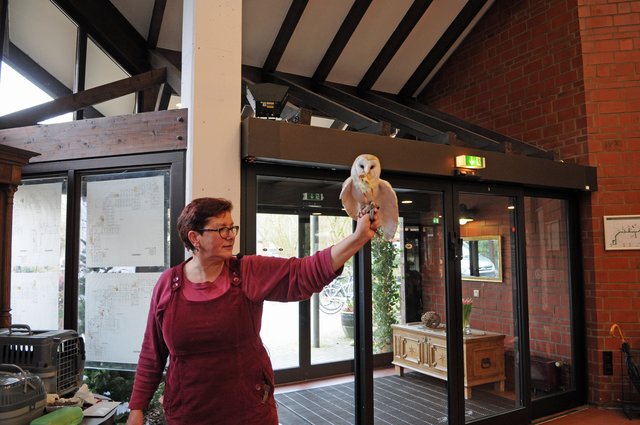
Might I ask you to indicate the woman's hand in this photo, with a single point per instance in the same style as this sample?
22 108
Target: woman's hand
366 228
346 248
136 417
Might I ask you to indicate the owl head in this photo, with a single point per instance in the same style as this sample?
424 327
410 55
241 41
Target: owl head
366 165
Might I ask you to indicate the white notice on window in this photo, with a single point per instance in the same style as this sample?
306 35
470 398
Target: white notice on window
116 307
36 225
34 299
125 222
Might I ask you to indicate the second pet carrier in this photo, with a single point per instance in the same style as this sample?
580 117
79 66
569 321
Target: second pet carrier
57 357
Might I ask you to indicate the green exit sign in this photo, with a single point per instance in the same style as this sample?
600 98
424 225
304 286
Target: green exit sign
470 161
312 196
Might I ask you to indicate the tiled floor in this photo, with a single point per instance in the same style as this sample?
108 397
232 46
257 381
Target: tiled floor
590 416
587 415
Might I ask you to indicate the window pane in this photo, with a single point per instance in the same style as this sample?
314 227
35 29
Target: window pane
549 296
489 287
124 247
18 93
332 326
37 253
277 236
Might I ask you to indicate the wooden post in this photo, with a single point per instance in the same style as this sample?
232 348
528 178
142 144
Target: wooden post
11 162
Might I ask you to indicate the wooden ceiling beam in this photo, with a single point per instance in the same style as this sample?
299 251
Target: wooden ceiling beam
402 31
39 76
442 47
104 23
284 35
349 25
31 116
156 23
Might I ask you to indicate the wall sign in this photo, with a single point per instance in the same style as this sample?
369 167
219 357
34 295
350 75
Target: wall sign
621 232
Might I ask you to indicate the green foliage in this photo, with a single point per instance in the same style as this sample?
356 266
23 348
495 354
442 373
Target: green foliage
386 291
117 385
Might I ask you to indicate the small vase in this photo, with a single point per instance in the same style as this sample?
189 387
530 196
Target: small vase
466 328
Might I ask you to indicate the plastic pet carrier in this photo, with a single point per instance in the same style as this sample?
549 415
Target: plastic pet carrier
22 396
57 357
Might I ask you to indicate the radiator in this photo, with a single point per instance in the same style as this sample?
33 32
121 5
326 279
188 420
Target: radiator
545 373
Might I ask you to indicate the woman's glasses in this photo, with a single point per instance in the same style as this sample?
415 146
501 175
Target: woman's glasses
224 232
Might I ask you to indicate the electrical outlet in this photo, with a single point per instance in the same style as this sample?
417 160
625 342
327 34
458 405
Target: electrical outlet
476 293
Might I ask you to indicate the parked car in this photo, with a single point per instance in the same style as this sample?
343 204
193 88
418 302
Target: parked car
486 267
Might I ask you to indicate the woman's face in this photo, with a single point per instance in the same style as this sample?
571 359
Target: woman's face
211 244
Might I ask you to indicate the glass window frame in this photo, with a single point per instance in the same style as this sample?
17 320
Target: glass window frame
73 171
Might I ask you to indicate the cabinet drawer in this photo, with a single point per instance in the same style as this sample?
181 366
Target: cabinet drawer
438 355
485 362
407 349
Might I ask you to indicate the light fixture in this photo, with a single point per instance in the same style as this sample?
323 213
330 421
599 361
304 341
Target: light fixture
470 162
468 165
267 99
466 215
406 201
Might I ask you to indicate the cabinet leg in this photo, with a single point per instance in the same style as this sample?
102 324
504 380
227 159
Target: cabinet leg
399 371
467 393
499 386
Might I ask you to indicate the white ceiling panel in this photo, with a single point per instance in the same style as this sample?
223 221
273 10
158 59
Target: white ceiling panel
138 13
46 35
101 69
377 25
261 21
171 31
318 26
424 36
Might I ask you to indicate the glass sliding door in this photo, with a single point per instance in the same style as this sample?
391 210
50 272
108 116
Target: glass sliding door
299 217
409 281
332 314
277 236
490 288
549 297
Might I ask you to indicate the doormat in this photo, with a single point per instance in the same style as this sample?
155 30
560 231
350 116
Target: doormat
411 399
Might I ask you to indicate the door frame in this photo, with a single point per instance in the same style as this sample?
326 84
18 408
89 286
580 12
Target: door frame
364 365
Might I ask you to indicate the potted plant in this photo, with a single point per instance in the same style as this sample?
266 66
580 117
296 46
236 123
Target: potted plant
347 318
385 292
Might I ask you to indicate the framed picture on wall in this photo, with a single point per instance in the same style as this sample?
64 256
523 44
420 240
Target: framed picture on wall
621 232
481 258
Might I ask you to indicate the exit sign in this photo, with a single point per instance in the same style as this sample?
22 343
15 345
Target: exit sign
312 196
470 161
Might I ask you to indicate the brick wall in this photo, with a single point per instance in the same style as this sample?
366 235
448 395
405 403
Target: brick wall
564 75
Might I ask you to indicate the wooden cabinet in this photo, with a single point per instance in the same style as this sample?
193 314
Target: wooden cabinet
11 162
424 350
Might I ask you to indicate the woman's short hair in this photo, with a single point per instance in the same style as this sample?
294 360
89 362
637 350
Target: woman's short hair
194 216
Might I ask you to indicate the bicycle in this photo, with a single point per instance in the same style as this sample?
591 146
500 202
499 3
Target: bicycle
335 295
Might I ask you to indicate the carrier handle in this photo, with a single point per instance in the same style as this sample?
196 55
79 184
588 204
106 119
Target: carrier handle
22 376
20 328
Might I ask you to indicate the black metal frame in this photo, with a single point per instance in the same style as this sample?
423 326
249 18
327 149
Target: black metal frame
76 168
365 362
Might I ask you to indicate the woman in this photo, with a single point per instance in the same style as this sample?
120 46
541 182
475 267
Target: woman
206 314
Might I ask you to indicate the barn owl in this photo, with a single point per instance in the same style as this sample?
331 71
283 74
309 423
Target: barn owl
365 190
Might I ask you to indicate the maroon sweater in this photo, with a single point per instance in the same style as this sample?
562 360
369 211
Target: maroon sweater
219 371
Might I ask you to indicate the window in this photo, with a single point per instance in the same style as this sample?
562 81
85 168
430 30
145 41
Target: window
89 243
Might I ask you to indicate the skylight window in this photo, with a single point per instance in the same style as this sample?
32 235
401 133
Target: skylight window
18 93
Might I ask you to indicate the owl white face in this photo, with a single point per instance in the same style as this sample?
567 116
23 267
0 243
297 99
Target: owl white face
366 166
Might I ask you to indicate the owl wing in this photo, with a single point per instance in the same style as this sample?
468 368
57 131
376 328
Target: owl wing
348 199
388 212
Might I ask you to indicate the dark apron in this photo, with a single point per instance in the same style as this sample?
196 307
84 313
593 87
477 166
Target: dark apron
219 370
